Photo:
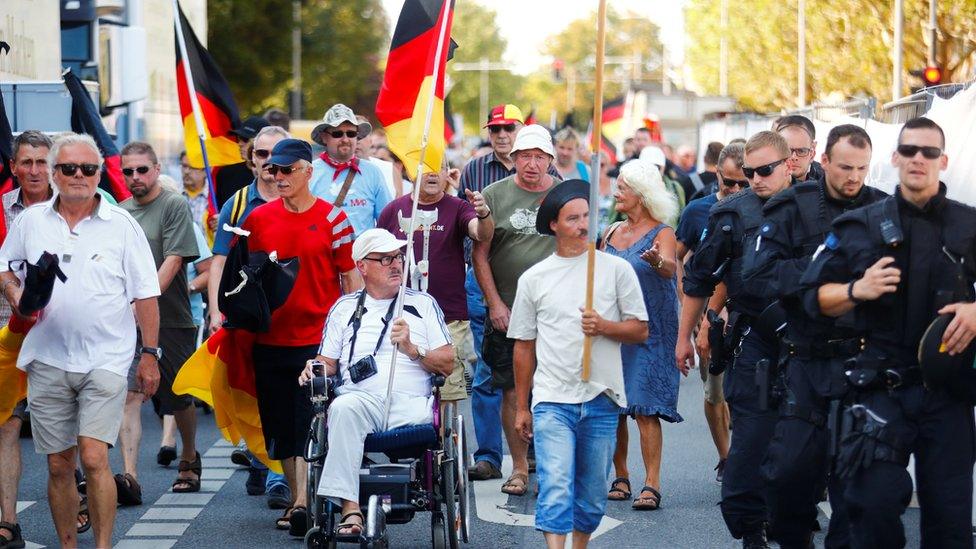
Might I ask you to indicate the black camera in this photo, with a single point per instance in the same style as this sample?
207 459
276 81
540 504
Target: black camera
363 369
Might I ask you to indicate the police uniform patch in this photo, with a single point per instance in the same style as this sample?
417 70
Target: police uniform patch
831 242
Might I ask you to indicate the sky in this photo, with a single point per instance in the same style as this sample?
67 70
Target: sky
526 24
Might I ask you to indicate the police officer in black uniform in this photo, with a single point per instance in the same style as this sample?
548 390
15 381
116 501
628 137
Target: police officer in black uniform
898 264
718 258
801 136
814 349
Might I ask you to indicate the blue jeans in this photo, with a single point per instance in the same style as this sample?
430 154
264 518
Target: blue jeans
574 451
486 401
273 479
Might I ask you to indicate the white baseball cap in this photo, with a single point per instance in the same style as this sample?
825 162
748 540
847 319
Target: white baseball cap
375 240
534 136
654 155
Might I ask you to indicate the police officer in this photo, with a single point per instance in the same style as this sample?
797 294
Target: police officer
898 264
801 136
718 258
796 221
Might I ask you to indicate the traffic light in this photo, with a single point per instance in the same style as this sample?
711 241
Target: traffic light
930 76
557 69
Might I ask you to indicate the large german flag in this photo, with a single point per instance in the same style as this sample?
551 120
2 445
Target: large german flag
217 106
85 119
13 382
410 76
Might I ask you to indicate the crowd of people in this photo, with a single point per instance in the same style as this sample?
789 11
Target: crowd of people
800 294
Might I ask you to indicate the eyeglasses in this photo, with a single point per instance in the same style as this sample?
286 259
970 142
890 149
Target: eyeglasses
142 170
763 171
909 151
262 153
386 260
287 170
497 128
733 182
70 169
801 152
337 134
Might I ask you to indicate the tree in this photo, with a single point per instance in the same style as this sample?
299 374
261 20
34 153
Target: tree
342 43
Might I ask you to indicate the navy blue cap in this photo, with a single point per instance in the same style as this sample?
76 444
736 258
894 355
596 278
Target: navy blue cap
250 127
288 151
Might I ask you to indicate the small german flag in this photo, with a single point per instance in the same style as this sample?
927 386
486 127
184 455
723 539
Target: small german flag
410 76
218 109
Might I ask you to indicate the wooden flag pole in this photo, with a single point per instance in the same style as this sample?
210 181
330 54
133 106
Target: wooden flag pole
596 138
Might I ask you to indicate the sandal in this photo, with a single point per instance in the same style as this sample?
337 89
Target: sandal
192 484
298 523
619 494
129 491
647 503
15 540
84 519
284 521
166 455
516 485
80 482
344 522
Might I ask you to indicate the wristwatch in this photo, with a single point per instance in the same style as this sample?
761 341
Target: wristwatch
154 351
421 353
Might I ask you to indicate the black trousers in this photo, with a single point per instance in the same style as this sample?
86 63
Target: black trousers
938 431
743 488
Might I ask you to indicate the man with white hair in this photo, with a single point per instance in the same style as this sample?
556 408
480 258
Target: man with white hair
78 353
499 262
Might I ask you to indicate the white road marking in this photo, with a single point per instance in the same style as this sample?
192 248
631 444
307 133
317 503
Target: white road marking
157 529
219 451
21 505
172 513
218 474
145 544
825 509
184 499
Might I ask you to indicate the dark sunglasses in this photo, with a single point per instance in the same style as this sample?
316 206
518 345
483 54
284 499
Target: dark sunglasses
262 153
909 151
733 182
70 169
337 134
507 127
143 170
386 260
273 169
763 171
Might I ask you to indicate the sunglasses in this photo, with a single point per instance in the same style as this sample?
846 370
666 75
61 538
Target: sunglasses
287 170
507 127
801 152
909 151
733 182
142 170
337 134
763 171
70 169
386 260
262 153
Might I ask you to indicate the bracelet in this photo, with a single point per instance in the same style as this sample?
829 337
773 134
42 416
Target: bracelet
486 216
850 293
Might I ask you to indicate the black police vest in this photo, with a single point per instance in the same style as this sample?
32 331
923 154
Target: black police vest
747 207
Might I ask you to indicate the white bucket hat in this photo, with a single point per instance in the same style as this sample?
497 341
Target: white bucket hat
534 136
336 115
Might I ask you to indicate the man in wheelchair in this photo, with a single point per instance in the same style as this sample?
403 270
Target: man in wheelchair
357 345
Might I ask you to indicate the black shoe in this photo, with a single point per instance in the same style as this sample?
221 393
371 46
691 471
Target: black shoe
279 497
166 455
755 540
484 470
16 539
240 457
720 471
255 481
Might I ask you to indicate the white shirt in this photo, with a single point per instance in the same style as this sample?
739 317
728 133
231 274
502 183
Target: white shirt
88 323
427 329
547 309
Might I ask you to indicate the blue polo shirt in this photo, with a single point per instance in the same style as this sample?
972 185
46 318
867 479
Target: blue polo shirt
366 198
222 238
693 220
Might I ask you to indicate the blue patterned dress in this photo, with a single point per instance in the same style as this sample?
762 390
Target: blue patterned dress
650 378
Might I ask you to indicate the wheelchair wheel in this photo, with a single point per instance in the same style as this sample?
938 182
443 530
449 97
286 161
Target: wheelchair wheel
461 462
438 532
315 538
451 520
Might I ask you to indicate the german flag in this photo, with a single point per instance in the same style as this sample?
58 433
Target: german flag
531 118
7 181
449 129
85 119
606 145
613 117
221 373
410 76
13 382
217 106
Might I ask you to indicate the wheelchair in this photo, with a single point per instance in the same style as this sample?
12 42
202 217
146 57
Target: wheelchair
427 472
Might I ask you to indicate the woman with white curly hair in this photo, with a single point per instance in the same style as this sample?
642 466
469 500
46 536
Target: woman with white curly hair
650 379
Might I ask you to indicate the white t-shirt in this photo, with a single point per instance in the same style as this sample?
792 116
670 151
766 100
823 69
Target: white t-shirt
427 330
547 309
88 323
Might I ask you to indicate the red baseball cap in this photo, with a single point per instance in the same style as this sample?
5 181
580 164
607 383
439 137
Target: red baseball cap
504 114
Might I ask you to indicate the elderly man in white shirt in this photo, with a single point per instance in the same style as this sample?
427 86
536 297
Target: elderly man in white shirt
358 345
78 353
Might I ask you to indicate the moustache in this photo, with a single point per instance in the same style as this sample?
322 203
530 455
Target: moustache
584 233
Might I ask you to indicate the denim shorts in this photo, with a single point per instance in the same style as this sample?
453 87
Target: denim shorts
574 446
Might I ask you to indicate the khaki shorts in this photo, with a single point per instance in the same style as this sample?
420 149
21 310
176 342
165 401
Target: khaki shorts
66 405
455 387
711 383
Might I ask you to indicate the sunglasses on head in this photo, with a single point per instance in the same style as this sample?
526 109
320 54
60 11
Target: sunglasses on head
287 170
909 151
142 170
763 171
733 182
70 169
337 134
262 153
507 127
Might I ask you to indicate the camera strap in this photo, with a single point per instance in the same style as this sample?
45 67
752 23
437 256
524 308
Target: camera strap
357 319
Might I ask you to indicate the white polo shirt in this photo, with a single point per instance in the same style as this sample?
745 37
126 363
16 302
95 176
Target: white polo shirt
88 323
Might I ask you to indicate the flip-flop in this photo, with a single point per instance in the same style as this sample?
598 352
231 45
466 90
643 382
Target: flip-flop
624 494
516 485
284 521
643 503
298 522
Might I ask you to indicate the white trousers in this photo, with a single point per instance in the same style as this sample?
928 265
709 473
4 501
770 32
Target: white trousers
353 415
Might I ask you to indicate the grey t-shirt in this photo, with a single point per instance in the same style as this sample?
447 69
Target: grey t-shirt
169 228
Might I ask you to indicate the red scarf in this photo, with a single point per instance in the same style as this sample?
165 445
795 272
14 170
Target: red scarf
352 164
